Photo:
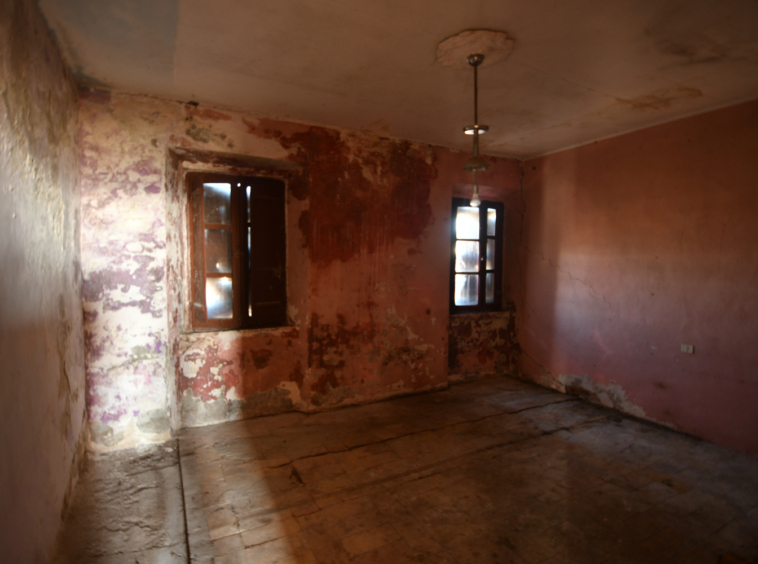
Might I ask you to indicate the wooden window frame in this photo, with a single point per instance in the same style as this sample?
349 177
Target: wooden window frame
270 196
482 305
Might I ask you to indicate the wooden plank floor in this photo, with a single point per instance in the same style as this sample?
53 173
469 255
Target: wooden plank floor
493 471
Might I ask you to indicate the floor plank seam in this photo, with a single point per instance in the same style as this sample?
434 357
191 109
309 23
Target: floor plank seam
421 431
184 503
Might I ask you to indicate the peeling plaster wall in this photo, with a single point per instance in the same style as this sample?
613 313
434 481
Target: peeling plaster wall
636 245
42 409
368 245
483 344
124 271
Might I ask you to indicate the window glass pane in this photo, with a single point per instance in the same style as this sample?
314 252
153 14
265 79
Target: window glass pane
198 275
218 298
490 254
467 223
249 260
466 289
467 256
491 222
218 202
247 191
490 288
218 250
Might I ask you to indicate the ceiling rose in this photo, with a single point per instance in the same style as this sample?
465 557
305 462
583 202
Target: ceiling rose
496 46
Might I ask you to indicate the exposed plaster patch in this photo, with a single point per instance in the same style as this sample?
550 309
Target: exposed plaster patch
401 322
610 395
293 390
333 396
103 437
196 412
228 407
103 434
292 311
154 421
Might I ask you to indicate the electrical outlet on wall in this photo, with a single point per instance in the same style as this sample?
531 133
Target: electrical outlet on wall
689 349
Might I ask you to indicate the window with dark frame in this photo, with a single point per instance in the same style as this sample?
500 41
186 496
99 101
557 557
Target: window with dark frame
238 251
476 264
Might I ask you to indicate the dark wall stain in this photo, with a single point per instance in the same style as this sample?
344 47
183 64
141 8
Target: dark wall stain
298 185
363 195
261 358
206 113
581 392
328 347
304 223
65 328
661 100
200 134
275 400
404 355
297 374
677 34
96 95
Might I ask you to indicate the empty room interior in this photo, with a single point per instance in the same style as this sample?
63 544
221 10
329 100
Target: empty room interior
330 281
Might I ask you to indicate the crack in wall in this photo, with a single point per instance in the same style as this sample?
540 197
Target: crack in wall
545 371
568 273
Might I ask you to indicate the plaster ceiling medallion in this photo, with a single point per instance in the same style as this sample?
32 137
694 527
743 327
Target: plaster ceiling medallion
496 46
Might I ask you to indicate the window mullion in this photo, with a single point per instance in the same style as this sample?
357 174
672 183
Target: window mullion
482 256
244 259
202 243
499 236
236 270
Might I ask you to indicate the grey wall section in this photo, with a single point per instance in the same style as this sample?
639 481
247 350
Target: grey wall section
42 403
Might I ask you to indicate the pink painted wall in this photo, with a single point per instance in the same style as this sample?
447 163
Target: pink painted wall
368 265
635 245
42 403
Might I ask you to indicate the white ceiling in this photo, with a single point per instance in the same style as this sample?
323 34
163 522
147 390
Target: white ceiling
580 70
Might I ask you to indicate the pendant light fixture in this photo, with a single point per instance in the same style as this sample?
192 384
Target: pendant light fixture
475 163
468 49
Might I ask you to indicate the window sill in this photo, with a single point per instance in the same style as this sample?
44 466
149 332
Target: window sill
241 332
482 314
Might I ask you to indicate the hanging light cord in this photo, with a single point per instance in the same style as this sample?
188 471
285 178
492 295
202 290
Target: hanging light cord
476 110
475 163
